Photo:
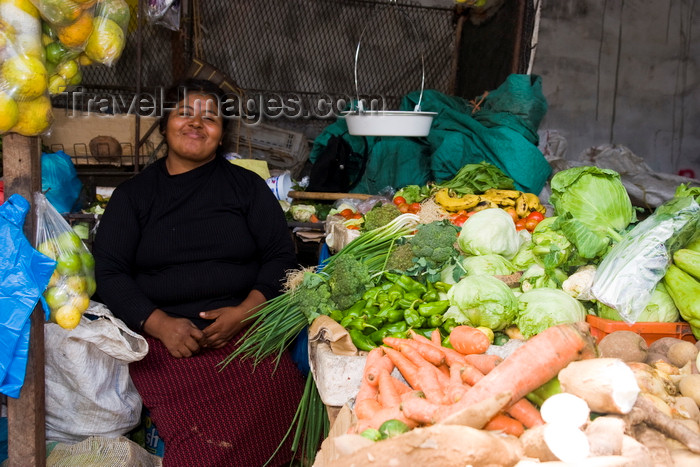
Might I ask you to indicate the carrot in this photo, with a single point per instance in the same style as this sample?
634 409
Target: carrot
468 340
400 386
414 356
420 410
470 375
526 413
394 342
388 396
531 365
451 355
382 363
504 423
456 389
407 368
366 408
430 384
426 349
382 416
436 338
483 362
366 391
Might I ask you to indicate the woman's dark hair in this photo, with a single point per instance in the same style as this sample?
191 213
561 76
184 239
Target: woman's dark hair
176 93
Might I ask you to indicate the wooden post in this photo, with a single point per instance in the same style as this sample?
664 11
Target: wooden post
26 444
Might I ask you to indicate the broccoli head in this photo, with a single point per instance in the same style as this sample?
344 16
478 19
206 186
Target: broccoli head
313 296
435 243
380 215
400 258
348 280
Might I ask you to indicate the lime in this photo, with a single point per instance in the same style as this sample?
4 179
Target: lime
55 52
393 427
116 10
54 279
91 285
25 76
68 264
67 69
88 262
9 112
69 241
68 316
371 433
76 79
47 30
56 297
59 12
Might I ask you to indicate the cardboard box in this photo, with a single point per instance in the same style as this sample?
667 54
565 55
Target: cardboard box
73 130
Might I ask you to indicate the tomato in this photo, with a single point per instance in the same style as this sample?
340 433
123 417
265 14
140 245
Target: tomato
513 214
399 200
347 213
470 214
530 224
353 227
414 207
520 224
404 207
356 215
536 215
459 220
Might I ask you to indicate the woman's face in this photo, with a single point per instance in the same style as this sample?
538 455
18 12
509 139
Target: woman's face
193 131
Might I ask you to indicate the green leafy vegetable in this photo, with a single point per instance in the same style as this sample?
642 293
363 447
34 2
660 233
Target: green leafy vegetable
536 277
539 309
433 248
414 193
493 265
477 178
347 281
380 215
482 300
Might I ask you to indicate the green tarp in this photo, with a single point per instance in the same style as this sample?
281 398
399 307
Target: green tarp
502 131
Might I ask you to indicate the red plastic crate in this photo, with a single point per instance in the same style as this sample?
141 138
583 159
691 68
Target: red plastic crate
601 327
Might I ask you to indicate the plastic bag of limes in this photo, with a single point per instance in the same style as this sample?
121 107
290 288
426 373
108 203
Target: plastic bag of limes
73 281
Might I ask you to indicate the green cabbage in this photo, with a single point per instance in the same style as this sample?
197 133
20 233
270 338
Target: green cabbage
594 208
493 265
536 277
660 309
491 231
482 300
539 309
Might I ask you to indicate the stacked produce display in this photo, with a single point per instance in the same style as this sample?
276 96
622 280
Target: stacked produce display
43 45
478 257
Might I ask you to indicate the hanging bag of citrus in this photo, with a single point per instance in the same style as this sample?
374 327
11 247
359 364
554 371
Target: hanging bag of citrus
25 107
73 281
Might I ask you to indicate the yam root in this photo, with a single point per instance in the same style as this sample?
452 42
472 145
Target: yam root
655 443
534 445
645 412
439 446
608 385
478 415
635 452
605 436
653 381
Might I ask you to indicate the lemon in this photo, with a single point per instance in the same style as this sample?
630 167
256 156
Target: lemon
84 60
9 112
76 285
25 76
48 248
56 297
59 12
68 316
106 42
88 262
35 116
57 84
81 302
25 5
54 279
116 10
76 79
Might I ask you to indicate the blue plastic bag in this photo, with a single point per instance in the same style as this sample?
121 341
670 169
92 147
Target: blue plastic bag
24 274
60 182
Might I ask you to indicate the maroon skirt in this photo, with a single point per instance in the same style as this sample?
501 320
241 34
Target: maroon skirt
206 417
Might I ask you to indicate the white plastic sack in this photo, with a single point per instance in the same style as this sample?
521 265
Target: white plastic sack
88 388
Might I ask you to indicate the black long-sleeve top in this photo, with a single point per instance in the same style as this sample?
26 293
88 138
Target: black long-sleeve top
190 242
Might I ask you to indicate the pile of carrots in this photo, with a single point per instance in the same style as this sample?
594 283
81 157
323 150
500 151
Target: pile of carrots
440 381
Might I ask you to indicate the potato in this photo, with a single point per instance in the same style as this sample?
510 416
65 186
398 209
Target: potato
653 357
681 353
689 386
662 345
628 346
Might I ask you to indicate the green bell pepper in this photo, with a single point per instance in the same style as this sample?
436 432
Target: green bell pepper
433 308
361 341
406 282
